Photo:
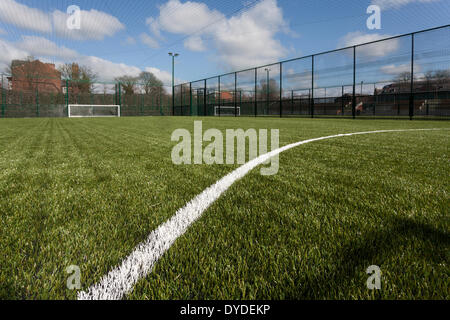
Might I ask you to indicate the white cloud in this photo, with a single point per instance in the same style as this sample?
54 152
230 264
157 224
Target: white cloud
10 52
154 27
39 46
195 43
24 17
243 40
393 69
249 38
395 4
149 41
164 76
2 32
107 70
95 25
379 49
184 18
47 51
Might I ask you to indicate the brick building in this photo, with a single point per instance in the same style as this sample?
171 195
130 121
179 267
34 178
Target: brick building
35 76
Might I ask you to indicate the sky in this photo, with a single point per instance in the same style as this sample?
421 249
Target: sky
118 37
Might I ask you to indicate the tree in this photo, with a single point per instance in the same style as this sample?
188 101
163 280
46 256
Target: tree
105 89
273 92
429 75
152 85
442 75
404 76
81 78
128 84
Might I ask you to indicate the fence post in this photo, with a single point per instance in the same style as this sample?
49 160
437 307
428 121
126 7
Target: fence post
281 89
204 99
181 99
375 93
256 92
235 94
160 101
115 93
411 94
120 97
173 100
190 98
197 98
240 98
67 95
342 102
354 84
37 101
292 102
311 101
220 100
3 97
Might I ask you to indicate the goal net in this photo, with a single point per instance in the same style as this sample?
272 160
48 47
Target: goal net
93 110
226 111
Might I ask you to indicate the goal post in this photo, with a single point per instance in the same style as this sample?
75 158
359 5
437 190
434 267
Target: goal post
92 110
227 111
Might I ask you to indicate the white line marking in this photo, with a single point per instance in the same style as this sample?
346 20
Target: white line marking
121 280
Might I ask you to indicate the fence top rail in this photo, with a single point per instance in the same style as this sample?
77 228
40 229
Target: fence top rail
330 51
93 105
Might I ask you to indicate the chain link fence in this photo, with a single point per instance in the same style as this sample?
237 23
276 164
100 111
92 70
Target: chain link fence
404 76
19 101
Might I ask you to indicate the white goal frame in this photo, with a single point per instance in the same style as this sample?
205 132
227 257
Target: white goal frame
216 111
93 106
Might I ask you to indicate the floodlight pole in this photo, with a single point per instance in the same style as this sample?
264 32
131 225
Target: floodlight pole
67 97
173 55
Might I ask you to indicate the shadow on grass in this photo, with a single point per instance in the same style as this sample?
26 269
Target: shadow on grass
404 238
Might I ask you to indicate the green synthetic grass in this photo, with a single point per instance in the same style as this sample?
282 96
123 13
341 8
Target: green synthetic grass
86 191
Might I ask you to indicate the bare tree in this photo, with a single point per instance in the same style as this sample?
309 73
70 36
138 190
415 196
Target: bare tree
105 89
404 76
272 92
152 85
128 84
442 75
82 78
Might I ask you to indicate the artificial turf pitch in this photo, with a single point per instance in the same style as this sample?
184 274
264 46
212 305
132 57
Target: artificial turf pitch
86 191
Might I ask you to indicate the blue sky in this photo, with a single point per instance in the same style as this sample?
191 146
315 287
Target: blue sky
124 37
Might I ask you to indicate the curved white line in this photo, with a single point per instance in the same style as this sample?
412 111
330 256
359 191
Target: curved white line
121 280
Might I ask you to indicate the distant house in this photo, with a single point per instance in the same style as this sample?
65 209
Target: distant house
418 86
35 76
226 96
